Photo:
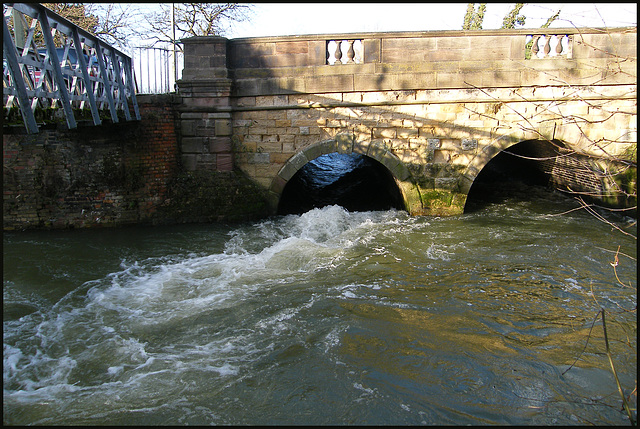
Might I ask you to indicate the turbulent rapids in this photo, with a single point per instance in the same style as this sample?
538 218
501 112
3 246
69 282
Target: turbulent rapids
328 317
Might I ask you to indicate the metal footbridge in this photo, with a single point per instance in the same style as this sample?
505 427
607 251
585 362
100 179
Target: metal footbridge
50 63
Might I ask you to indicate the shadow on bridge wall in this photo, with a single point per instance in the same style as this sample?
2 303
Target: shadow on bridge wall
423 171
427 187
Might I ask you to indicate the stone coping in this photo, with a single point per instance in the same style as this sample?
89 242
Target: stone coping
436 33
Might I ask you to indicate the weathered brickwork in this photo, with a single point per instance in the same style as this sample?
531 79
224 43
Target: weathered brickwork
122 174
114 174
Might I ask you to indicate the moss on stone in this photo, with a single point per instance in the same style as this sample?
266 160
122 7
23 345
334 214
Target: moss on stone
440 202
52 116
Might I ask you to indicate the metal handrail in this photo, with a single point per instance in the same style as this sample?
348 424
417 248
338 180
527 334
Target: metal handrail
154 68
82 70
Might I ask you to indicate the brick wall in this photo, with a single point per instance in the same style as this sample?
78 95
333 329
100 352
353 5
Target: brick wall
113 174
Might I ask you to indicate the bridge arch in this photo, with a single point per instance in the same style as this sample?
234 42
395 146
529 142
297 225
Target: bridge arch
541 162
347 144
539 148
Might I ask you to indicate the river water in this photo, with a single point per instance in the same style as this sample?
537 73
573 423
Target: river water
326 317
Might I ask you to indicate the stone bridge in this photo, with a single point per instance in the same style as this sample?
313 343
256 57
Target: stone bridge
433 107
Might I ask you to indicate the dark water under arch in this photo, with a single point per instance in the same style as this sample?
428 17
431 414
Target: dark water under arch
355 182
519 172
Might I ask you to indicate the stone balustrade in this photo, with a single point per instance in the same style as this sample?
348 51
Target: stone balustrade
418 60
344 52
549 46
429 47
536 46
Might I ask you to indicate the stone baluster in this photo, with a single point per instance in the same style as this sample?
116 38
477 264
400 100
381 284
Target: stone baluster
338 53
351 53
535 48
559 45
547 45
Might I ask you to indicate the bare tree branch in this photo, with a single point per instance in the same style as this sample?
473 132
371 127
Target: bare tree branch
116 22
194 19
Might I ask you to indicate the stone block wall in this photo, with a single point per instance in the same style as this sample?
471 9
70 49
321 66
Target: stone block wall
444 137
444 103
205 118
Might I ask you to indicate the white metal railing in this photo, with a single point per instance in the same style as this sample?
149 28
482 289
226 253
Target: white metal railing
49 62
156 69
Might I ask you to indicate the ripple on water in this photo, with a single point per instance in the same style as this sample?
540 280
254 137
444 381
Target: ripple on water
329 317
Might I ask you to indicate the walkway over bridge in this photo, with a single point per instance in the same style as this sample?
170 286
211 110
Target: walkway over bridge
42 68
433 107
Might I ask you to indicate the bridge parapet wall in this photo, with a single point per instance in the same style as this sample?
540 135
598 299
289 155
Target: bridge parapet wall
440 59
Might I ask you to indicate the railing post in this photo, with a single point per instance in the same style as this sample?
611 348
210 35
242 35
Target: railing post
85 74
16 73
57 72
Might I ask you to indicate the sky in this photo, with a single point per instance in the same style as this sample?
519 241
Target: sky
291 19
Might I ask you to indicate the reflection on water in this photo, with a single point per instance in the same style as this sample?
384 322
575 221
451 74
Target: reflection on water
328 317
